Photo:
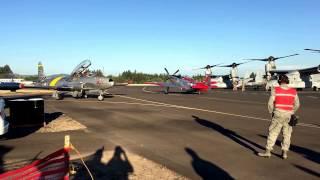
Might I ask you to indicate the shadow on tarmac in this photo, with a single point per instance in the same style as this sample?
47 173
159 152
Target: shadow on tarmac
206 169
3 150
307 153
118 167
309 171
19 132
230 134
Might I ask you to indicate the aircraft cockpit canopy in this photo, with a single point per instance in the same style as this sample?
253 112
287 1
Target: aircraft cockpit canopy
82 69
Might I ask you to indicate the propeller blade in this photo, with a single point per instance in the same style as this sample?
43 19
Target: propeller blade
314 50
176 72
265 59
167 71
215 65
226 65
236 64
285 56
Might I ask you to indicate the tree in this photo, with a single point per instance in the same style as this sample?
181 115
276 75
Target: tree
6 72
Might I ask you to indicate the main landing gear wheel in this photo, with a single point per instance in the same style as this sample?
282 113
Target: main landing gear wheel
100 98
166 90
57 96
76 94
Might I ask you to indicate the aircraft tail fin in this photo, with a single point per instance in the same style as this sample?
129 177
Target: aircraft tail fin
41 75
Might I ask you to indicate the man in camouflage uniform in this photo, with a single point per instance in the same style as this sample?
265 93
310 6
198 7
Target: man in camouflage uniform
283 103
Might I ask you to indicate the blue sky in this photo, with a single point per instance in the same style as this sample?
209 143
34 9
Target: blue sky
148 35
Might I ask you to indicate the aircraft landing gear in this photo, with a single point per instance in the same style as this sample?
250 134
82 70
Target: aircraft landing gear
166 90
76 94
57 95
100 97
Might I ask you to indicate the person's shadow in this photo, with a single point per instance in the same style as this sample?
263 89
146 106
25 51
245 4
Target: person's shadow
120 164
206 169
117 168
229 133
310 154
3 150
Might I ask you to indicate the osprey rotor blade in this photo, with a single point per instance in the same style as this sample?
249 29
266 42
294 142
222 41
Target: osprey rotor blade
230 65
237 64
265 59
285 56
215 65
313 50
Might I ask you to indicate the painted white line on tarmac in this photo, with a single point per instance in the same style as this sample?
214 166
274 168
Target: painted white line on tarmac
212 111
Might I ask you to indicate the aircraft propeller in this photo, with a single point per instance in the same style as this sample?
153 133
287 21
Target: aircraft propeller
208 66
234 64
313 50
168 74
271 58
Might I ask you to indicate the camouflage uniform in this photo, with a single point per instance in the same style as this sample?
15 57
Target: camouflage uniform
280 122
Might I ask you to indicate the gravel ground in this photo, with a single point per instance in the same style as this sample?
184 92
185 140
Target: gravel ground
119 164
62 123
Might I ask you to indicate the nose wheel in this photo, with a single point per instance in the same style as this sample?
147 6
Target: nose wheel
100 98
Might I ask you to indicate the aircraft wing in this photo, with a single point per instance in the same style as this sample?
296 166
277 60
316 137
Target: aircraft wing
281 71
162 84
309 71
304 72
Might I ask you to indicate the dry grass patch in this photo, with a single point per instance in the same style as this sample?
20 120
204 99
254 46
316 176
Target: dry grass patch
59 123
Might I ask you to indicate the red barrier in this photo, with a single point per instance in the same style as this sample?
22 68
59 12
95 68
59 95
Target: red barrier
55 166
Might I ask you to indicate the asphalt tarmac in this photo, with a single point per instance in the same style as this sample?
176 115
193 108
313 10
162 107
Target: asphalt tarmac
214 135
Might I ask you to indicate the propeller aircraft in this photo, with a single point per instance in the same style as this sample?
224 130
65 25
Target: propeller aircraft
80 83
184 83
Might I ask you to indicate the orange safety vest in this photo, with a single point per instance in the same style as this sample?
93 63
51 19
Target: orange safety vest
285 98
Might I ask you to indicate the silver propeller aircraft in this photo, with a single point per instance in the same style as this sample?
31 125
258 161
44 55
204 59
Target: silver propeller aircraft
80 83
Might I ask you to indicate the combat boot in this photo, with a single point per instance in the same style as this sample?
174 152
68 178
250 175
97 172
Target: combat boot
266 154
284 154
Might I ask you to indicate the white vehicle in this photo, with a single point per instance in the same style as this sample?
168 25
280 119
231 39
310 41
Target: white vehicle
4 125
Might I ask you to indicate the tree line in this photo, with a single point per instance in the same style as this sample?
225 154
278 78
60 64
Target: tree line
6 72
124 77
